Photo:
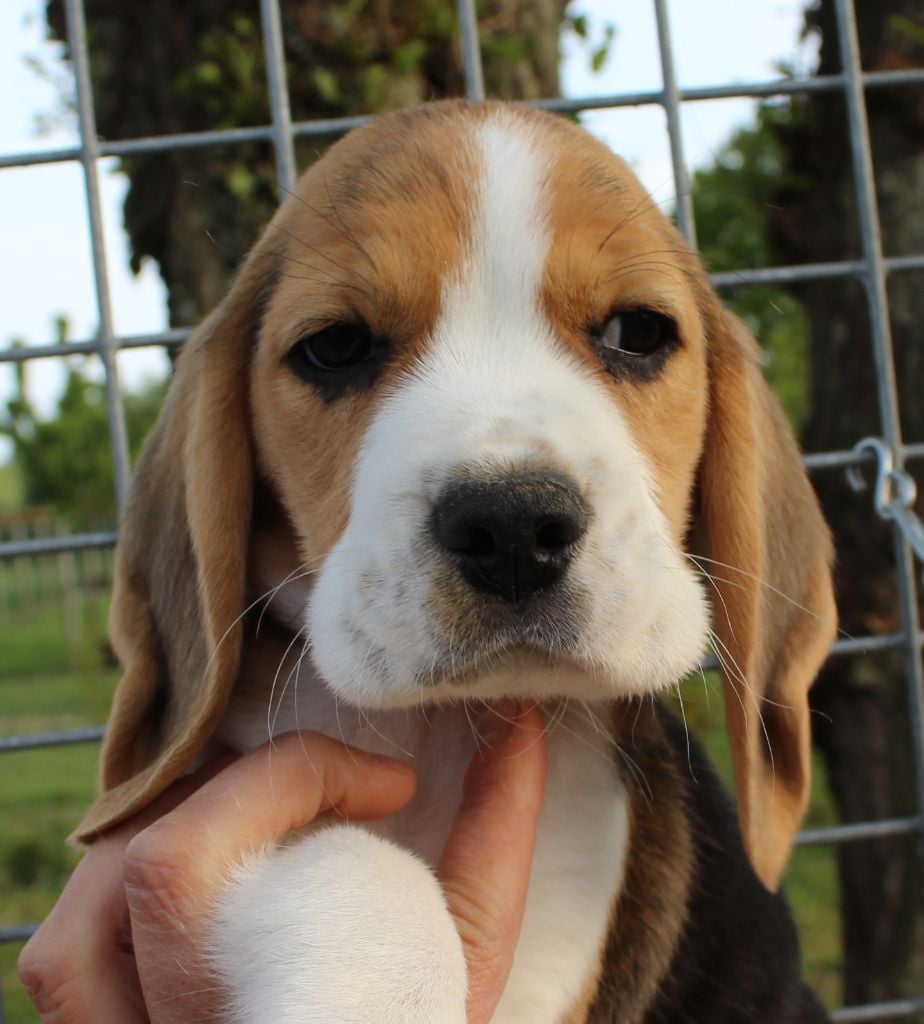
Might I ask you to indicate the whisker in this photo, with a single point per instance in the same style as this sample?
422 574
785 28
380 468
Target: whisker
764 583
686 732
749 690
270 718
383 737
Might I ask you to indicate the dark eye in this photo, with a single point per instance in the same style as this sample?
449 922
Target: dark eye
638 332
338 360
335 348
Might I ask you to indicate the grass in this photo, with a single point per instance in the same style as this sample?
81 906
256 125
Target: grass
11 489
42 794
47 682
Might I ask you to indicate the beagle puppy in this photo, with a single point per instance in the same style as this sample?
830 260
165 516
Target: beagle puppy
467 412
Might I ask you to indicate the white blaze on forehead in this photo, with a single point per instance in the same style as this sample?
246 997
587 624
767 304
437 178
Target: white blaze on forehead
510 238
493 361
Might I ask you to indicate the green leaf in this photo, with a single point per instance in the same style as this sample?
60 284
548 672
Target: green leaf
578 24
409 56
904 26
208 73
241 182
327 85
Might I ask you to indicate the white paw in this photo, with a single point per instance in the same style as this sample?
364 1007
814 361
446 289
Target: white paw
340 927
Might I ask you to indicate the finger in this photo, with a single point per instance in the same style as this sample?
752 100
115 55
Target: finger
486 863
263 796
175 869
79 965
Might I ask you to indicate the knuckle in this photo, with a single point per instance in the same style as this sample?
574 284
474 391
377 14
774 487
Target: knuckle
480 930
50 983
158 874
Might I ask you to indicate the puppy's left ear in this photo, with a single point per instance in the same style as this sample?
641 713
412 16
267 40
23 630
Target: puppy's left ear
773 612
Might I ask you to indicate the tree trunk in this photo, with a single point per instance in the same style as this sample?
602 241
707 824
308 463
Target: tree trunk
862 728
164 68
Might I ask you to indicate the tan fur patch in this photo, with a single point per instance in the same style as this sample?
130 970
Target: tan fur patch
370 236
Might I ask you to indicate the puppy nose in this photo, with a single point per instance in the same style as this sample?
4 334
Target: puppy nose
514 536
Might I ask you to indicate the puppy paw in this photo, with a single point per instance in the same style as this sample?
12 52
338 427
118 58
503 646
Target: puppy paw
340 927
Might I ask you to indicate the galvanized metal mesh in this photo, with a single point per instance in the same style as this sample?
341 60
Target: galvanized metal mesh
872 270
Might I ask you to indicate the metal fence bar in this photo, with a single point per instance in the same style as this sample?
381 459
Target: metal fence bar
176 336
725 279
166 339
887 391
471 49
811 271
857 831
89 152
835 460
279 94
825 460
63 738
747 90
854 645
867 644
670 99
877 1011
340 125
56 545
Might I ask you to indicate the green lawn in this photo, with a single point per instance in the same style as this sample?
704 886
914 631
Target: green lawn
11 489
48 684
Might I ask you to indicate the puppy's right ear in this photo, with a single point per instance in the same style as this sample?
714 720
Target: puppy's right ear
181 562
770 557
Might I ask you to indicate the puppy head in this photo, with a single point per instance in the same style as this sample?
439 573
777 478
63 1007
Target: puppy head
480 373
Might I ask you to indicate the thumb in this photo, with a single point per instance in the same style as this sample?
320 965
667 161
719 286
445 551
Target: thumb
485 866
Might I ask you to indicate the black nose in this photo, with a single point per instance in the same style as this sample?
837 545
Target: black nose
514 536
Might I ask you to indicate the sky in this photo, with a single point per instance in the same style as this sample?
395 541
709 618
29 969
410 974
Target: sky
45 262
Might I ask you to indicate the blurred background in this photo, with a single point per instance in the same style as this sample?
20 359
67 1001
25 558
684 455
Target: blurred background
771 185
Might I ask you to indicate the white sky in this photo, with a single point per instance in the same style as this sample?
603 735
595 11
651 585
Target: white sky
45 265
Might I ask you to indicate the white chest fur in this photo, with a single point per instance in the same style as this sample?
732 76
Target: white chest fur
579 858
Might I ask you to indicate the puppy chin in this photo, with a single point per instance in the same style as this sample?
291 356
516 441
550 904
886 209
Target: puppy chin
371 677
375 651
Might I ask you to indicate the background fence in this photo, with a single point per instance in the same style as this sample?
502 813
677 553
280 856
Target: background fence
20 542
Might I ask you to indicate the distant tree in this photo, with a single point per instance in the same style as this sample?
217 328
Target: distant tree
863 730
783 192
64 461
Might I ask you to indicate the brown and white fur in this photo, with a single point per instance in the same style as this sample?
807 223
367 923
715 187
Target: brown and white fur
484 248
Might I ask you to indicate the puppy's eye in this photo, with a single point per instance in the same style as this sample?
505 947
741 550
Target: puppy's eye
335 348
338 360
636 344
638 332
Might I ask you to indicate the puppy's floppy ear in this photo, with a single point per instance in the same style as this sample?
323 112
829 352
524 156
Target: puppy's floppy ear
774 611
181 563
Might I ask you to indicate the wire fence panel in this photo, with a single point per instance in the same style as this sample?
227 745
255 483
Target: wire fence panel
872 270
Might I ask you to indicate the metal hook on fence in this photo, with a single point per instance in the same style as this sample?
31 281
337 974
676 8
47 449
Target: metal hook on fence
894 494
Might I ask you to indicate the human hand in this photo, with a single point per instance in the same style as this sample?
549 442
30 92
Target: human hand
125 943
